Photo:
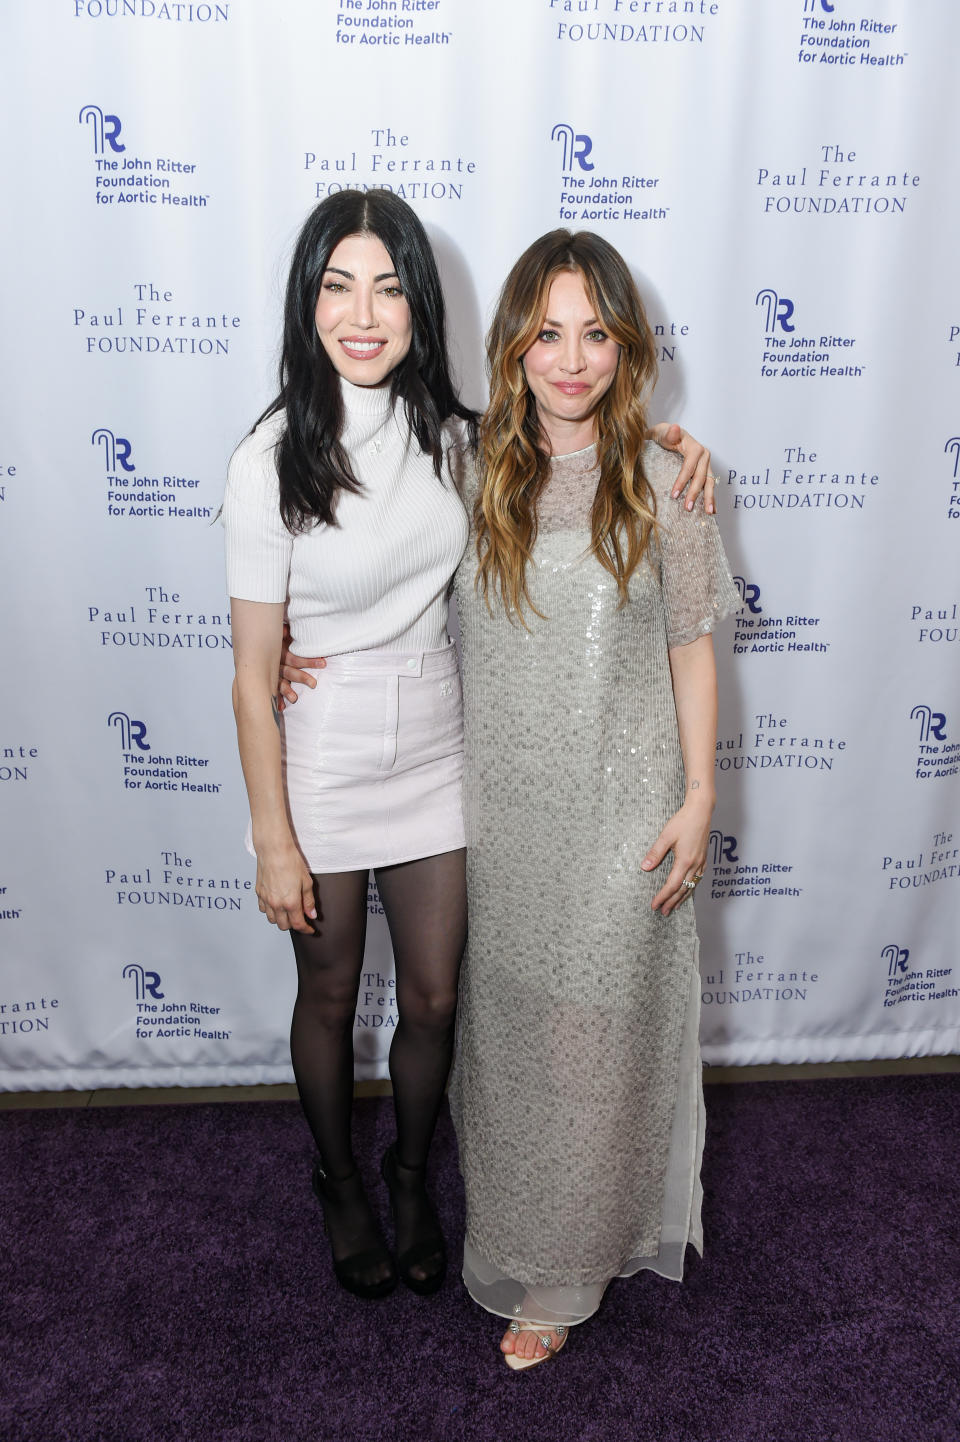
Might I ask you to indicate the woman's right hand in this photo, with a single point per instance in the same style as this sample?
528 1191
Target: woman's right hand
291 670
285 890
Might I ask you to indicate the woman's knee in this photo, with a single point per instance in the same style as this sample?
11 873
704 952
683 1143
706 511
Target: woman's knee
327 991
429 1009
325 1012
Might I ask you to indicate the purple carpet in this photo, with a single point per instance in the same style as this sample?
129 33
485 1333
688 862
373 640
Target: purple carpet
165 1279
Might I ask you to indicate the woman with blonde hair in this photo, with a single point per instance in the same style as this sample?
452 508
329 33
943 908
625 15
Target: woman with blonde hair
342 518
586 604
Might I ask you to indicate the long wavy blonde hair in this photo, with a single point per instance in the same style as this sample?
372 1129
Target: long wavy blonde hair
513 458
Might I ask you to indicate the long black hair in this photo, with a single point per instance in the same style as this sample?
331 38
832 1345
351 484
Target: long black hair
312 465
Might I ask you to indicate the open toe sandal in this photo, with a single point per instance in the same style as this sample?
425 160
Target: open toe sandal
428 1247
350 1271
545 1336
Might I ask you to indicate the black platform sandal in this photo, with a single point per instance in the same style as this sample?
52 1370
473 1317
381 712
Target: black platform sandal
349 1194
429 1246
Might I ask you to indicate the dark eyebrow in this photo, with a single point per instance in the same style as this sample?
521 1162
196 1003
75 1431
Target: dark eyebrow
387 275
587 325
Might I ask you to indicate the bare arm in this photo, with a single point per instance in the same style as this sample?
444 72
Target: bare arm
284 884
687 833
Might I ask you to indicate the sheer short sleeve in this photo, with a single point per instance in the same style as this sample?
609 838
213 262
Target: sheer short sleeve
258 544
698 589
461 460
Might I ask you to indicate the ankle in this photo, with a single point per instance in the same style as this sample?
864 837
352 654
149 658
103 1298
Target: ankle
335 1185
412 1176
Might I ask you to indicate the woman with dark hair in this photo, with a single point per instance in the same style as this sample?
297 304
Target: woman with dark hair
338 508
341 511
586 606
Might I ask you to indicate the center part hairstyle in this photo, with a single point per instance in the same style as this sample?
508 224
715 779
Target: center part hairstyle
312 464
514 455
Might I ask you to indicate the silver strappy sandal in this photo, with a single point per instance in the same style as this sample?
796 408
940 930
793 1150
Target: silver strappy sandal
545 1336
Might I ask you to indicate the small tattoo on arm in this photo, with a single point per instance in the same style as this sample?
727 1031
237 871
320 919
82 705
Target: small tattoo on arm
694 785
276 712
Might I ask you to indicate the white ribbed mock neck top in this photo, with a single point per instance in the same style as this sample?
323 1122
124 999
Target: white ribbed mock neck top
379 579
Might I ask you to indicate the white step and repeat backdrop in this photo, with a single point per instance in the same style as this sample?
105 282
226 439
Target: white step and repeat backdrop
783 177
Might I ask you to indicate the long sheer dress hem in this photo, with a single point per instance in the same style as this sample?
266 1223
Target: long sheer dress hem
567 1305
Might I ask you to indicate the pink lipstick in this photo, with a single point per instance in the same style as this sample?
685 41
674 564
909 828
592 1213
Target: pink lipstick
361 348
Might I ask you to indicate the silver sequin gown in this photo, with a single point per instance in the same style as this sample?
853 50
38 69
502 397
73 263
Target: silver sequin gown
576 1093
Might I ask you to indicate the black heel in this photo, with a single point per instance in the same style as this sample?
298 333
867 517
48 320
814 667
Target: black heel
429 1246
334 1196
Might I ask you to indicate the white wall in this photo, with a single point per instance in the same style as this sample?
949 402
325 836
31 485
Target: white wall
783 179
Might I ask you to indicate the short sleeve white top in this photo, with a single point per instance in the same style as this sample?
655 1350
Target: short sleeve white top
378 579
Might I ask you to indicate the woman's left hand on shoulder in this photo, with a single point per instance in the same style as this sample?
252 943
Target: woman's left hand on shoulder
695 473
686 834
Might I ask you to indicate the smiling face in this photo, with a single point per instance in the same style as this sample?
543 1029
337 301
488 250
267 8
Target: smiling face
570 366
362 316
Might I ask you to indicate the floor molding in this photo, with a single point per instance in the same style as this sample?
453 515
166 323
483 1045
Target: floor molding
712 1075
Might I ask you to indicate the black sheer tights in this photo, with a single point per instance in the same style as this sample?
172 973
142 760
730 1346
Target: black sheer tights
425 906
